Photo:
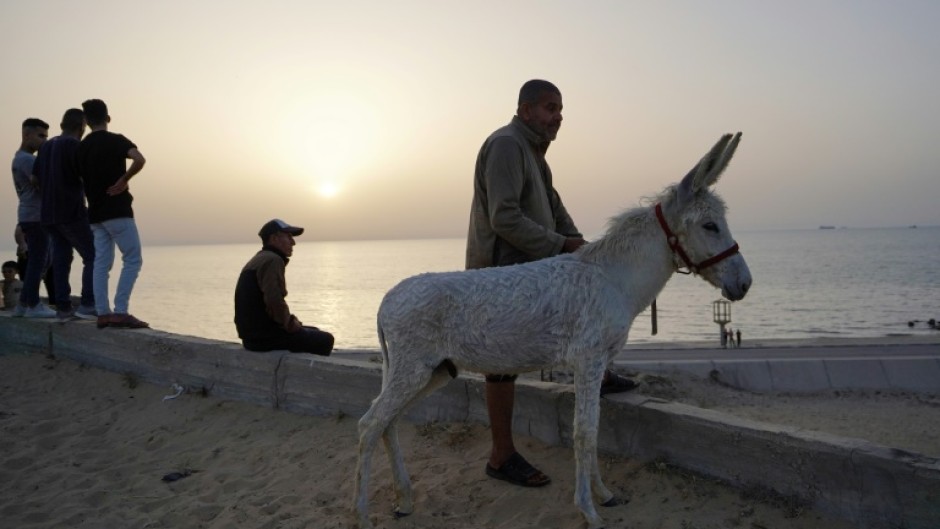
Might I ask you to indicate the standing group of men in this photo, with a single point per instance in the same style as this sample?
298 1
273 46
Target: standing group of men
53 179
516 216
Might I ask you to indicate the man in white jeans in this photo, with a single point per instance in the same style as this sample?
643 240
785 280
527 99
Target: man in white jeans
103 159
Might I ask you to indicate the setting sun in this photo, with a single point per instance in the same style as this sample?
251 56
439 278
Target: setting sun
332 130
328 189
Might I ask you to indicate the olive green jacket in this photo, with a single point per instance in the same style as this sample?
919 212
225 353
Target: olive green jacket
516 215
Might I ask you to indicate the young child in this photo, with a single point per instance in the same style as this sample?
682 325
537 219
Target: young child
11 285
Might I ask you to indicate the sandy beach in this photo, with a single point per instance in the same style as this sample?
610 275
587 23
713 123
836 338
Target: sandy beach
88 448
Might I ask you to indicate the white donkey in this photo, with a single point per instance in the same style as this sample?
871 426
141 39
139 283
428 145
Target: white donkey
573 310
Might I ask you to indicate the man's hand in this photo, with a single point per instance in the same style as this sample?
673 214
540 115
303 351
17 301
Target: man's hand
294 325
119 187
572 244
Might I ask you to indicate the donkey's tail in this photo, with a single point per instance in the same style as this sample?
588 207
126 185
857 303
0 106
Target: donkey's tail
383 347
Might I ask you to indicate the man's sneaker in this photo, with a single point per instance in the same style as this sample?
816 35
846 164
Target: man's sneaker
126 321
19 311
86 313
63 316
39 311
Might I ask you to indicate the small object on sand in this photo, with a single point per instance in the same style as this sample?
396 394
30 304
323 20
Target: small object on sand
179 391
175 476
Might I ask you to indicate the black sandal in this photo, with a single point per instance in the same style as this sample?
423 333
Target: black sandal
518 471
614 383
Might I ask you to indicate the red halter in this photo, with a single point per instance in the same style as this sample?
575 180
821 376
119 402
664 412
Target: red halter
677 248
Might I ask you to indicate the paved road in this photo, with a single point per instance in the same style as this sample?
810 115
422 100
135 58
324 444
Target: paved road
784 352
909 363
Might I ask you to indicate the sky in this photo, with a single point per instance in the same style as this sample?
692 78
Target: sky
362 119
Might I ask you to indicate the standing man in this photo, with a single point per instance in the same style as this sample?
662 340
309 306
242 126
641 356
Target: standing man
102 161
516 217
35 132
262 317
64 215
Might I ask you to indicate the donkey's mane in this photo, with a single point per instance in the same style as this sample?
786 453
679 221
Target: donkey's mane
624 229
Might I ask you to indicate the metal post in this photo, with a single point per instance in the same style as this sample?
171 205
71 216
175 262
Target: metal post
721 314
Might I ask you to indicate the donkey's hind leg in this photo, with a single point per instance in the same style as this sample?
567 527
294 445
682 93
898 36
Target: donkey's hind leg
399 388
368 435
404 500
439 378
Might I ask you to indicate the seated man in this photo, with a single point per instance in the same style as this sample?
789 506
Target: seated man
262 317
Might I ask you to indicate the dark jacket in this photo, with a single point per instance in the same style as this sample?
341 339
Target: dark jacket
63 193
261 311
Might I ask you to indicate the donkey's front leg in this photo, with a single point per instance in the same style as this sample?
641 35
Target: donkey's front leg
587 382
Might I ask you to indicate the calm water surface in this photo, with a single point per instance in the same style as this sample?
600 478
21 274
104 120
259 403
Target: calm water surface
807 283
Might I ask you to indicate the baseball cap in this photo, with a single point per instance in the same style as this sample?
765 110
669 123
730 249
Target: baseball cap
275 225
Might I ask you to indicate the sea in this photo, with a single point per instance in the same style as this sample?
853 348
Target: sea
811 283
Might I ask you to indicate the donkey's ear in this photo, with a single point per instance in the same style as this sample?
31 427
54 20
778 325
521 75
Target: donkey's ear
706 171
721 163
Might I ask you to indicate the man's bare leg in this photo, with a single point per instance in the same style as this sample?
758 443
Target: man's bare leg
500 399
505 462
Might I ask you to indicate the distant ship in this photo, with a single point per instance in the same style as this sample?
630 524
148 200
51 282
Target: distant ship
827 227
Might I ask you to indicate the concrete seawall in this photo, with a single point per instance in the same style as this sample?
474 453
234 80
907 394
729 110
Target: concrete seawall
871 485
899 363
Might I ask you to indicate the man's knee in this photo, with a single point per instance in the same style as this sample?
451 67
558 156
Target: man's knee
327 341
313 340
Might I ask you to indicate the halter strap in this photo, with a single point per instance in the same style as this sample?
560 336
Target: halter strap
673 241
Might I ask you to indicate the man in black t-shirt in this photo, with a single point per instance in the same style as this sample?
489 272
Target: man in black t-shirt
103 159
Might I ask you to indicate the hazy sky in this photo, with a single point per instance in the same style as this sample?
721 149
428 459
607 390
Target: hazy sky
250 110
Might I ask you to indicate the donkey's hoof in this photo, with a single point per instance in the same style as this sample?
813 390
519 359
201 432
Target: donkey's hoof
399 514
615 501
364 523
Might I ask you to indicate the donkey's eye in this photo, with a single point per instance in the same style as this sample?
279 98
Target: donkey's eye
711 226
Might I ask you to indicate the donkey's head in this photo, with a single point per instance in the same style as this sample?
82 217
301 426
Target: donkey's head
693 219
